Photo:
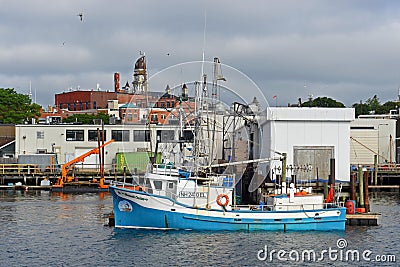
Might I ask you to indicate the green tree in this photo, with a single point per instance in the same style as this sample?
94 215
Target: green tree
373 103
373 106
16 108
361 109
87 118
323 102
385 108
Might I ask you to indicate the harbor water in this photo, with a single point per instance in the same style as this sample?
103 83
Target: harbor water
41 228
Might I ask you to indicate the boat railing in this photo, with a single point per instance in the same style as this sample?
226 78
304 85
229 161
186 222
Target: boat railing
145 189
286 207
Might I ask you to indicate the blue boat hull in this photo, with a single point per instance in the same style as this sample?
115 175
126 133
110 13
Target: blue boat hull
138 216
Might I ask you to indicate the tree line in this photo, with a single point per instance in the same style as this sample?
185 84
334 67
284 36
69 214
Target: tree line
371 106
18 108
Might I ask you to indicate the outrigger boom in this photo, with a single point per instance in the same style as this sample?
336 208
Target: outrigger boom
242 162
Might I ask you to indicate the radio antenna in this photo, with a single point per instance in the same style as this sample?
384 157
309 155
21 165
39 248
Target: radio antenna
204 41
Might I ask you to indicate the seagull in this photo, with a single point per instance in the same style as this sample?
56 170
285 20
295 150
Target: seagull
81 16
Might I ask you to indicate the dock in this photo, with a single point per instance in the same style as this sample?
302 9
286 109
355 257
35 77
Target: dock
363 219
25 187
385 187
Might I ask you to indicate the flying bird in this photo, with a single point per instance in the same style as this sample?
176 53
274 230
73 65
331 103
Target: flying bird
81 16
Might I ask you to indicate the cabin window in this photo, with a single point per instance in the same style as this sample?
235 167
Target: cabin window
74 135
158 185
120 135
92 135
171 185
141 136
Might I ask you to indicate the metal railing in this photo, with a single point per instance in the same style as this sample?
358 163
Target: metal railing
19 169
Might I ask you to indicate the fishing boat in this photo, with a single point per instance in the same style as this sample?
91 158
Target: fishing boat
172 201
192 193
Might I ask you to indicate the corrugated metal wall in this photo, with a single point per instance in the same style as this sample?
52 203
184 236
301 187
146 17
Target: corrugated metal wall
362 145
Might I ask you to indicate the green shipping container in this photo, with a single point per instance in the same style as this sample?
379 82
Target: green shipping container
134 162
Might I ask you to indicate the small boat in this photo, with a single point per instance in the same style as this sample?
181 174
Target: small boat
172 201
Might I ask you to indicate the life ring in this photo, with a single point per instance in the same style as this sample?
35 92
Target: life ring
219 200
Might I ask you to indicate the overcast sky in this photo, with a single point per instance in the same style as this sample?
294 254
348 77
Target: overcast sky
347 50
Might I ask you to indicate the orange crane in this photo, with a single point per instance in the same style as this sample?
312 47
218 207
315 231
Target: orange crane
65 167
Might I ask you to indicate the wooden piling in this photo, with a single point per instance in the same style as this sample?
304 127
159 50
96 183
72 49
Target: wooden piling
284 168
376 169
332 176
366 201
361 186
353 179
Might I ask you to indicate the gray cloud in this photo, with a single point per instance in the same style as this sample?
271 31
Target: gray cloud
346 50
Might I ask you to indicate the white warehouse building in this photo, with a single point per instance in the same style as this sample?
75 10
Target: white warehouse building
310 137
68 141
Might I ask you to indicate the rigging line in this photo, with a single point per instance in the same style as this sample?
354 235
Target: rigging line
352 138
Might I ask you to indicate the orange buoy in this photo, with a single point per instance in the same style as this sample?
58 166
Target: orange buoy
350 207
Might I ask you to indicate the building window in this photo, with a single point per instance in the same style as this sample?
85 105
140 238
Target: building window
74 106
87 105
75 135
154 118
120 135
94 105
60 105
40 134
93 135
166 135
69 106
81 105
141 136
129 116
168 104
163 117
